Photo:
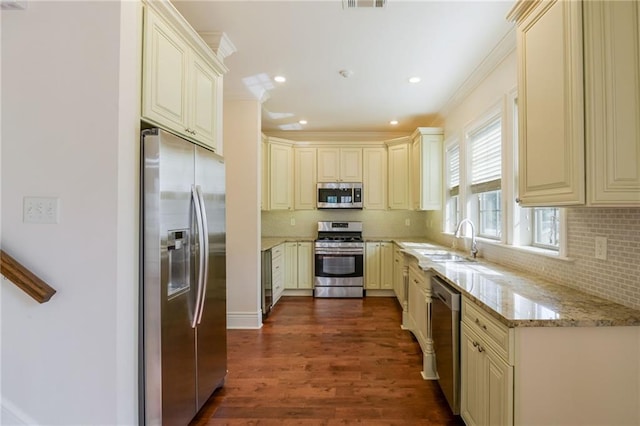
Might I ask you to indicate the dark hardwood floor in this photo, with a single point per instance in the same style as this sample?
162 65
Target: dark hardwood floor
327 362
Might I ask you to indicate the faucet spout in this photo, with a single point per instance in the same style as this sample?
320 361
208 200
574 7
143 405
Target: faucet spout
474 247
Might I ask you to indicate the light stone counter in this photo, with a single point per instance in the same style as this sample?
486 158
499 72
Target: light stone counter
521 299
270 242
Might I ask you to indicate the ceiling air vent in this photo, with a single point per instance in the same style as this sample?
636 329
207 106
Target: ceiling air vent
359 4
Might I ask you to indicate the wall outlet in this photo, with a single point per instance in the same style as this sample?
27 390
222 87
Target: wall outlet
40 210
601 248
293 221
407 222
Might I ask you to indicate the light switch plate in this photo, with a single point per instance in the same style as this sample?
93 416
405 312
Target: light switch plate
40 210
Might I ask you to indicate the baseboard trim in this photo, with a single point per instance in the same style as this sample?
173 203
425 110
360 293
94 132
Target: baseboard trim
244 320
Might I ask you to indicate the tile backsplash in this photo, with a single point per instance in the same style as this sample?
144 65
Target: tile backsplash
617 278
375 223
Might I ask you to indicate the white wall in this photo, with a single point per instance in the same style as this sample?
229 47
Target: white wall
69 130
242 158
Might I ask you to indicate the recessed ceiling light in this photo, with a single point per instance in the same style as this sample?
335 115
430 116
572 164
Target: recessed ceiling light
414 80
279 79
302 121
393 122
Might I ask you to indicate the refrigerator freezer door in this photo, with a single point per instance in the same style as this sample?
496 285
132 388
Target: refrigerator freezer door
168 307
212 328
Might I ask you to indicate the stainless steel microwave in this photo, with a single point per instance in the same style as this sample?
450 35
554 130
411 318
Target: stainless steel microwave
339 195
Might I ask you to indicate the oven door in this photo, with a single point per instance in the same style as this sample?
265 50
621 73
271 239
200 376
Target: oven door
332 263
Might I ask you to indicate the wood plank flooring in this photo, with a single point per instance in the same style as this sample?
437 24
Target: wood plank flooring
327 362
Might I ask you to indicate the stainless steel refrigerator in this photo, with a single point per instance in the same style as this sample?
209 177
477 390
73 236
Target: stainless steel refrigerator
183 353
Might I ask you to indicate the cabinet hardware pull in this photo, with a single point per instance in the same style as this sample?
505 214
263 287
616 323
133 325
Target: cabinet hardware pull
480 324
480 348
518 200
475 344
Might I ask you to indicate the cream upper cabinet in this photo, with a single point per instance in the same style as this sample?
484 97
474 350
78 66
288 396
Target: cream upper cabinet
304 178
280 175
550 102
181 80
426 169
612 100
578 102
264 190
339 164
399 173
374 178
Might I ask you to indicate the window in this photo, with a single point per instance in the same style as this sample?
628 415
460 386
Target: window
486 177
453 185
546 228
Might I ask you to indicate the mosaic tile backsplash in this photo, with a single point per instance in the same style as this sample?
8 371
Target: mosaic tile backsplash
616 279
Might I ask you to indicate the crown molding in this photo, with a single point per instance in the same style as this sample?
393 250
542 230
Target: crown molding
340 137
497 55
219 42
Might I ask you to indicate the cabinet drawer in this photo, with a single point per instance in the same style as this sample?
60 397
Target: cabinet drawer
277 251
496 334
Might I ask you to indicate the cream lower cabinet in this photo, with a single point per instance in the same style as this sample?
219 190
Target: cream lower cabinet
399 174
487 393
398 275
304 185
298 265
181 82
378 266
374 178
426 169
277 271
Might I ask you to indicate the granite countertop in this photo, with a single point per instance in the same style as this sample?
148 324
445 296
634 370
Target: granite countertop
270 242
521 299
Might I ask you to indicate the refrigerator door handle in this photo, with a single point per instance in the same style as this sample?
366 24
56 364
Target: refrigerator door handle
205 251
201 267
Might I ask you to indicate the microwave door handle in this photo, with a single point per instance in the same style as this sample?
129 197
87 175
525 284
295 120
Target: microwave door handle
204 251
201 267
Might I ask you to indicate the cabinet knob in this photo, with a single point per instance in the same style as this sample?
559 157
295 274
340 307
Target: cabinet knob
518 200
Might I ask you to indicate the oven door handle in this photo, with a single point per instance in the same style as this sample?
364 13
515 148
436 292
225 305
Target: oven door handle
342 252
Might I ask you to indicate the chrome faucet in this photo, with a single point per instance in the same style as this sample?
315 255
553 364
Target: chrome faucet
474 247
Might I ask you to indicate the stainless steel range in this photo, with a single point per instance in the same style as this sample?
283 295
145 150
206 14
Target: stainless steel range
339 260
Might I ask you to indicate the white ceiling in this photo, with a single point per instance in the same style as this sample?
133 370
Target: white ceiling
309 42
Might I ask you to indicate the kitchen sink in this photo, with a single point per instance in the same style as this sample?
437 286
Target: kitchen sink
449 257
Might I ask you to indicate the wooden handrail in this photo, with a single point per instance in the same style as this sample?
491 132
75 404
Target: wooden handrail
25 279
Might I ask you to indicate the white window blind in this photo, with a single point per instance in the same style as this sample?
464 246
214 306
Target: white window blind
486 157
453 159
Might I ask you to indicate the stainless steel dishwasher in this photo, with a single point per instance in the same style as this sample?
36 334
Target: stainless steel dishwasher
445 322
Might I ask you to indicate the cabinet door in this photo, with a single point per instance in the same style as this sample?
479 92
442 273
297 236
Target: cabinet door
386 266
328 164
372 266
374 178
351 165
472 378
398 274
264 199
612 84
305 178
290 265
305 265
204 103
281 182
550 104
426 181
399 177
499 389
165 71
